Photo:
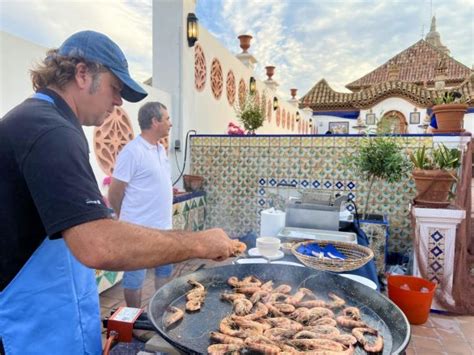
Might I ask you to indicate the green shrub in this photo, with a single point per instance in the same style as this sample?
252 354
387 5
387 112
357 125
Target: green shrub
250 113
379 158
443 158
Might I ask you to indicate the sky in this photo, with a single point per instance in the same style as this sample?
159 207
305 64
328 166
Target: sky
306 40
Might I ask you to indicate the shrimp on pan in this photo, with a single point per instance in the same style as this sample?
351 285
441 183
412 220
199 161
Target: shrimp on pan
194 305
225 339
283 289
223 349
175 315
336 302
312 304
324 321
242 306
350 318
231 297
316 344
279 334
373 347
258 311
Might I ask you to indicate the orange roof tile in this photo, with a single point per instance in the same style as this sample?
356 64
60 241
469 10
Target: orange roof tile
417 64
322 97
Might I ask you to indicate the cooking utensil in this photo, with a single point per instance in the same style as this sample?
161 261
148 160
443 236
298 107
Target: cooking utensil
191 335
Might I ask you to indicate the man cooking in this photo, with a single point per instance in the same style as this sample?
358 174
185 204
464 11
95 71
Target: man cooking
55 226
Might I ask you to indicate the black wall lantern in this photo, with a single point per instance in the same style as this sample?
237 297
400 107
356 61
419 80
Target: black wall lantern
192 29
275 103
297 116
252 85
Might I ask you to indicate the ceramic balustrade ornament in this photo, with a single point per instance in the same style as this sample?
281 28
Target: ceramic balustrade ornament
111 137
216 78
230 86
200 70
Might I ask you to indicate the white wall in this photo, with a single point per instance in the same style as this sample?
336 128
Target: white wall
173 64
402 105
17 56
393 103
469 122
213 115
132 111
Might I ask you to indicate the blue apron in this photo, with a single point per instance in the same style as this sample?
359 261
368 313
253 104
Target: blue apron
52 304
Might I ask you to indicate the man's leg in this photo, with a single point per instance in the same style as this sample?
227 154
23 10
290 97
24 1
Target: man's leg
163 275
133 298
132 287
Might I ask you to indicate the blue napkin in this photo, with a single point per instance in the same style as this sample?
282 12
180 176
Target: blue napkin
329 251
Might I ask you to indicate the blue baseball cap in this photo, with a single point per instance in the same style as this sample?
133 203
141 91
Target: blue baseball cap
98 48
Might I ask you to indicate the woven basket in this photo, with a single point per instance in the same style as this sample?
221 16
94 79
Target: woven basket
357 256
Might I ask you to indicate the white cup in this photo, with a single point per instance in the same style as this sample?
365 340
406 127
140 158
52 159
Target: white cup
268 246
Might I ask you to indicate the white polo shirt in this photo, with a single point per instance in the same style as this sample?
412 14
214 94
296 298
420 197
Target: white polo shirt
148 196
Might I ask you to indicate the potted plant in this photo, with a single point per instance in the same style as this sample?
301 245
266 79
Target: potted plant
378 158
435 175
250 114
449 110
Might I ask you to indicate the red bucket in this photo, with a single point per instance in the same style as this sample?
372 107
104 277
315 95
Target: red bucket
405 292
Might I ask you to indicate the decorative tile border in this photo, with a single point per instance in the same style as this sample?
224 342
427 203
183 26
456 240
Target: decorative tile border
436 253
106 279
190 214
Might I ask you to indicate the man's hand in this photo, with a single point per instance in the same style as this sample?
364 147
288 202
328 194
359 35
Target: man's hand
215 244
239 248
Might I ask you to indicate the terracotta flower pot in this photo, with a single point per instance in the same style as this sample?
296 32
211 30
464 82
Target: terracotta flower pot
245 42
270 71
433 186
193 182
449 117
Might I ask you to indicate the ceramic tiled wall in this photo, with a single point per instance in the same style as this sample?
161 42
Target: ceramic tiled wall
190 214
241 174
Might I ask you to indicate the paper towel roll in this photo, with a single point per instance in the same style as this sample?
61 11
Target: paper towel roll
271 222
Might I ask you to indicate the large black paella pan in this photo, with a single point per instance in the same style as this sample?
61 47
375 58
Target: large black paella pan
191 335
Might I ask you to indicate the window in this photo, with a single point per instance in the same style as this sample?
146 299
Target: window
414 117
370 118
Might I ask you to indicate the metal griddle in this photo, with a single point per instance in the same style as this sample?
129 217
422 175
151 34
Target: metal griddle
191 334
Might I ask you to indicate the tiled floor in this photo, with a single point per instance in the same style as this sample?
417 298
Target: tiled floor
441 334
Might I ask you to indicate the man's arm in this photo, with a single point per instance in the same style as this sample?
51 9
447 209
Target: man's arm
114 245
116 194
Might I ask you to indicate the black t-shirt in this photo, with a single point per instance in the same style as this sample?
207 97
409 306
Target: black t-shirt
46 182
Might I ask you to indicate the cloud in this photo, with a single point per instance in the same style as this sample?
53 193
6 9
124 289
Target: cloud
338 40
127 23
307 40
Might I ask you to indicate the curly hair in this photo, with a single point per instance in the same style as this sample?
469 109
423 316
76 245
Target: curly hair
60 70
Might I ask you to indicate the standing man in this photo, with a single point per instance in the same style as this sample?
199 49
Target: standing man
141 191
55 227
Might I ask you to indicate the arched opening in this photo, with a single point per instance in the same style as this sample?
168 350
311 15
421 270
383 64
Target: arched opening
392 122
